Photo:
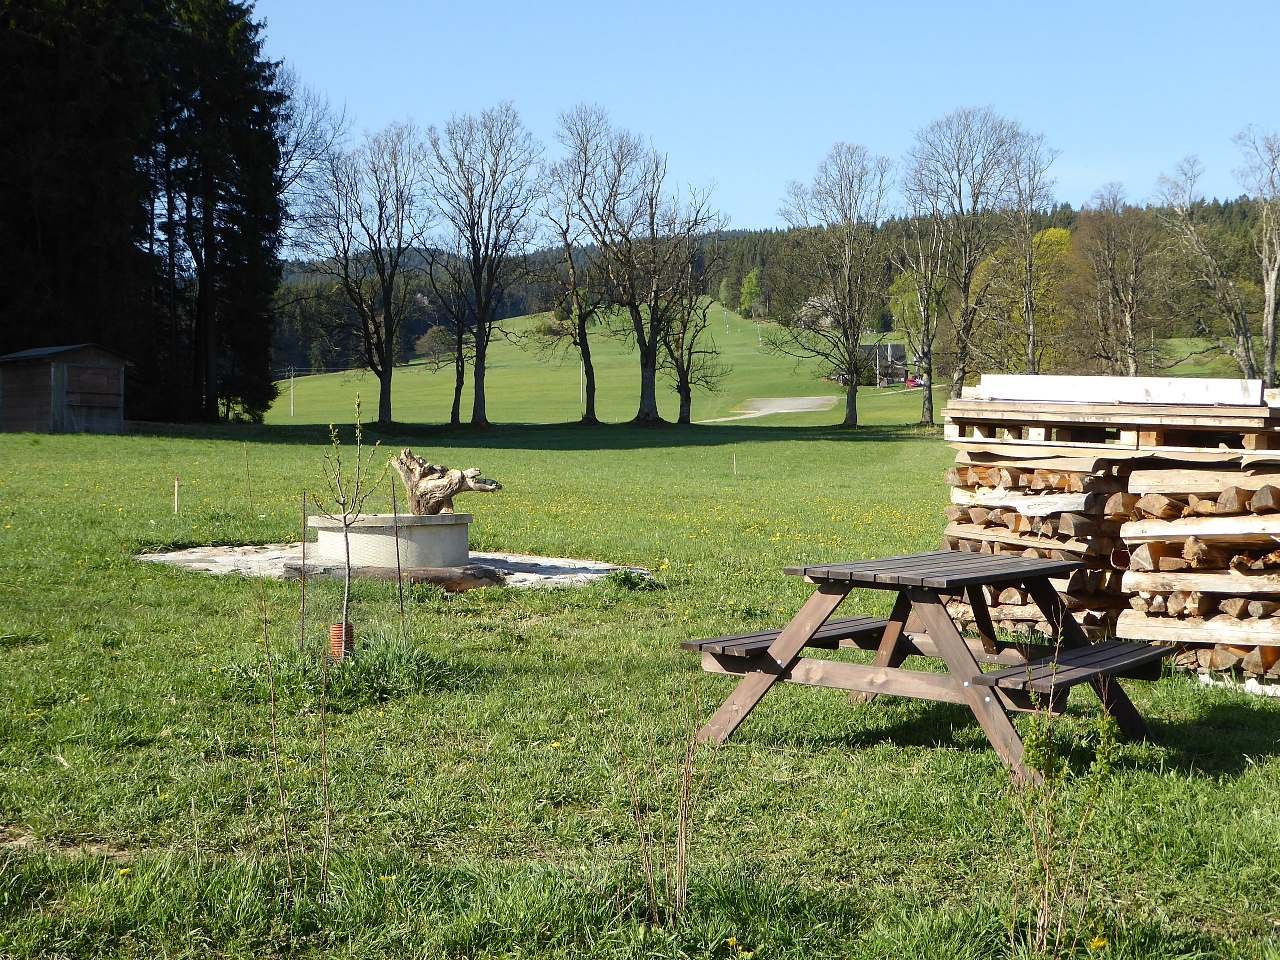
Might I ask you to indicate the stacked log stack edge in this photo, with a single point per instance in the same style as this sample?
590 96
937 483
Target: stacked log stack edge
1172 506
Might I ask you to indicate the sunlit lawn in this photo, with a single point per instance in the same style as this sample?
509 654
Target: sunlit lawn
485 757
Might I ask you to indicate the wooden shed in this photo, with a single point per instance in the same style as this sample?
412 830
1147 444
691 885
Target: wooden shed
72 389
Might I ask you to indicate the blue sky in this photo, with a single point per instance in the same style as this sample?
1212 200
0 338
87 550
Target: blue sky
750 96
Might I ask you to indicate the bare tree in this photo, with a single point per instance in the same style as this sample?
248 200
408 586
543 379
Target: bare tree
308 131
483 177
842 267
1260 177
962 163
1183 203
645 232
1121 246
922 262
1030 196
362 225
575 276
690 355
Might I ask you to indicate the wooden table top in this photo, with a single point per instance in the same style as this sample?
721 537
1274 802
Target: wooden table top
942 569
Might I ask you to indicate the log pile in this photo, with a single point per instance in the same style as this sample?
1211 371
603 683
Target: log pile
1204 566
1167 489
1041 508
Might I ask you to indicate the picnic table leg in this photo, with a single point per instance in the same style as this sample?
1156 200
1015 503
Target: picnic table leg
892 651
984 703
783 652
1070 634
982 618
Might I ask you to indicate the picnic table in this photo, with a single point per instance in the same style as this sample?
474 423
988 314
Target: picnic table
1034 675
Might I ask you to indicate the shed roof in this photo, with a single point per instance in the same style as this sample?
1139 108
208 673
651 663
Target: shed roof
43 353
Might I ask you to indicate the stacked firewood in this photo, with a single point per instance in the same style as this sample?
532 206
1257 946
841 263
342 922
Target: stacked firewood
1204 567
1043 512
1168 490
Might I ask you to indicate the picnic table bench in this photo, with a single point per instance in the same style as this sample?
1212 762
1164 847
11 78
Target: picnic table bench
1034 675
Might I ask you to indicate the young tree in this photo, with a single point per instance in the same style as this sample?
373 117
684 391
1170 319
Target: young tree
483 177
922 264
749 295
1030 198
646 234
575 276
1183 208
961 162
728 295
842 266
1007 338
690 355
1120 244
363 226
1260 176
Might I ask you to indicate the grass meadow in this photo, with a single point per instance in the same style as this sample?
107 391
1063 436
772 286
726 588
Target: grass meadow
502 764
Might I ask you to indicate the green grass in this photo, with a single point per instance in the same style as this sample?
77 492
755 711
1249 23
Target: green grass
482 760
526 383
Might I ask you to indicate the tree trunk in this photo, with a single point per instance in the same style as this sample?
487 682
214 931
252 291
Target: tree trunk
384 395
648 350
588 376
851 402
459 375
926 402
1269 324
206 306
1029 307
1130 344
686 403
478 416
961 370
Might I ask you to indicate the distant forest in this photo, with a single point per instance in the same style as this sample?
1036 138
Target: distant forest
169 192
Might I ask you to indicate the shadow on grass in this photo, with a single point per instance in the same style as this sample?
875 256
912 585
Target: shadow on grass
1223 738
540 436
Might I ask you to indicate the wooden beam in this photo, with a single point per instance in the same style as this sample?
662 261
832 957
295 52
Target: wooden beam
1133 625
1198 481
1167 390
855 677
1261 530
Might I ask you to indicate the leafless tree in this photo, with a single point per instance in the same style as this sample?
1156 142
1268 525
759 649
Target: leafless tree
645 232
843 264
922 260
308 132
362 225
962 162
1183 203
575 277
690 356
483 177
1260 176
1030 197
1121 246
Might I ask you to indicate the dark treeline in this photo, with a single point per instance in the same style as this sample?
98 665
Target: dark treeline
141 190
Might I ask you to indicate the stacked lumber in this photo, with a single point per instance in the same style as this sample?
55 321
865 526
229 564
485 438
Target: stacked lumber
1168 490
1204 567
1043 508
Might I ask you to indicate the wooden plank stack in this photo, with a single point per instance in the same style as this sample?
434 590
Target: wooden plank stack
1167 489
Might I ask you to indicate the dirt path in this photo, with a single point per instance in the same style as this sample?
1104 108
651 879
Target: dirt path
764 406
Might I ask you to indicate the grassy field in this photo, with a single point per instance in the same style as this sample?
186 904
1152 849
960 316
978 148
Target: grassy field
488 757
527 384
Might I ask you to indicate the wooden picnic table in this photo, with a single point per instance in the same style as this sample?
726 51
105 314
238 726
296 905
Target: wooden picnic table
1035 675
